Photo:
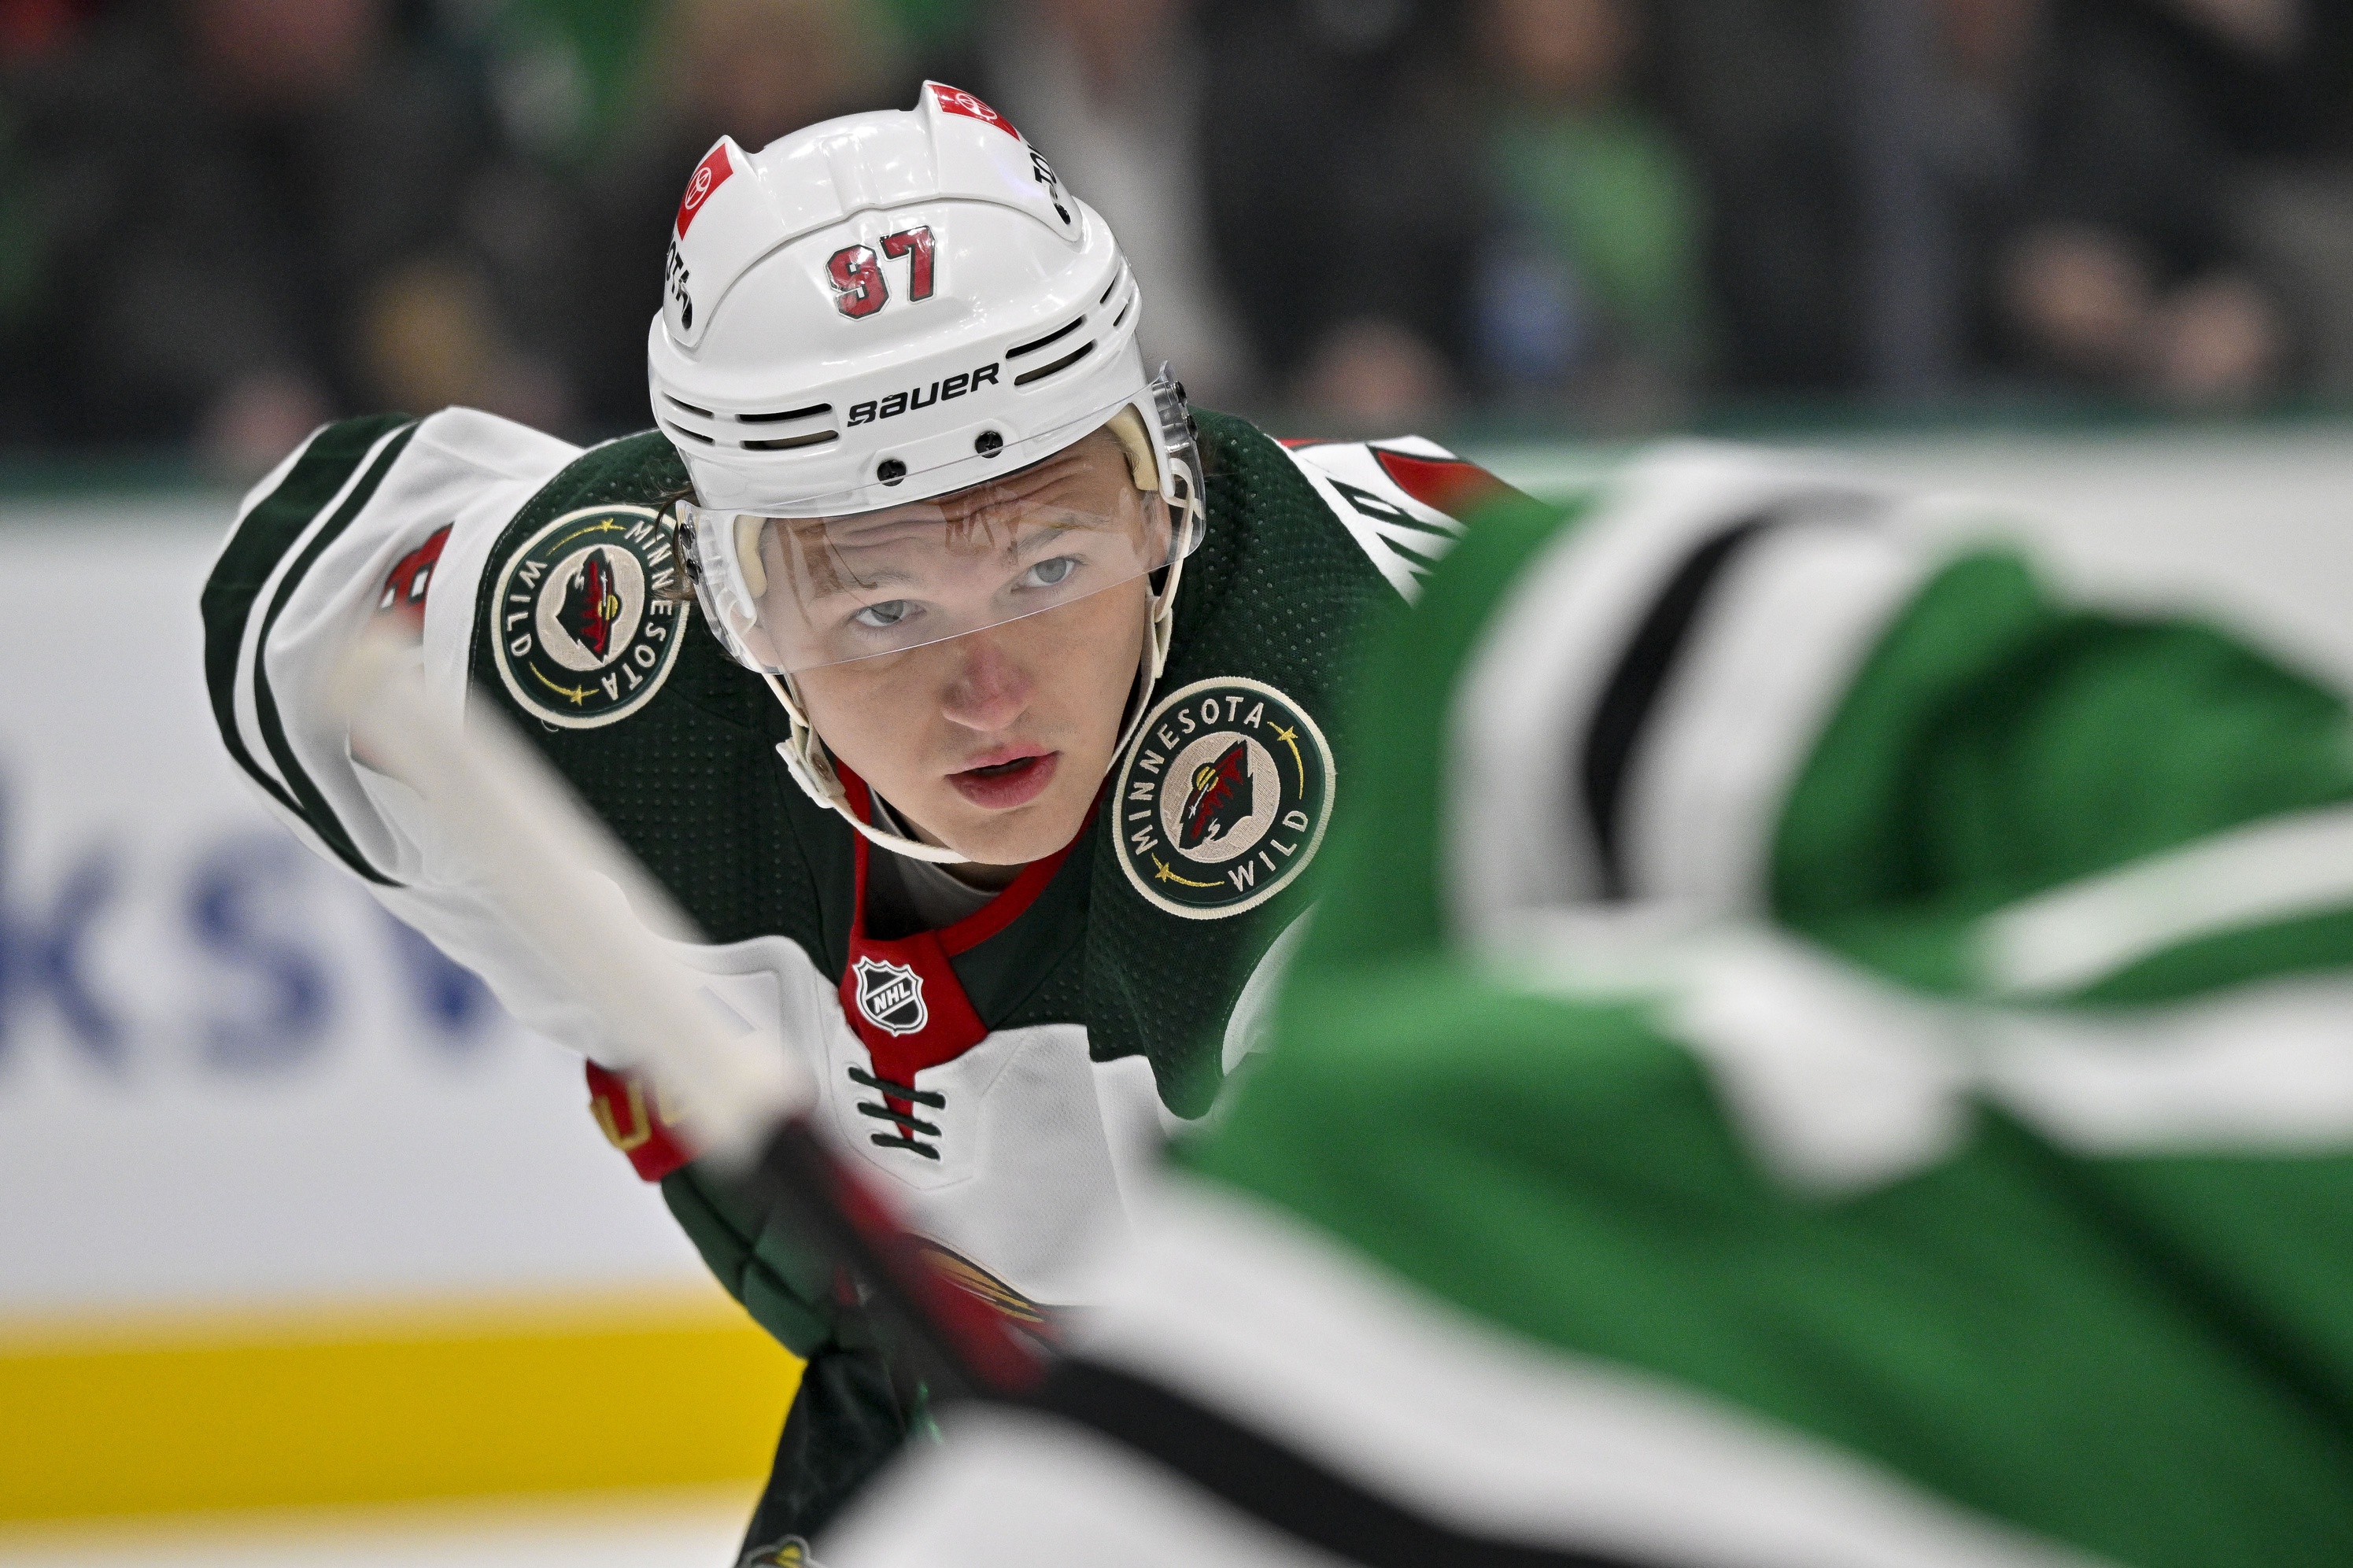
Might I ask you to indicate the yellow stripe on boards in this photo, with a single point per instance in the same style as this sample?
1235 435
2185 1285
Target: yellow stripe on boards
379 1405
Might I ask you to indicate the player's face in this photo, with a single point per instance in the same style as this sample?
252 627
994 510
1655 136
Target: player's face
994 742
834 590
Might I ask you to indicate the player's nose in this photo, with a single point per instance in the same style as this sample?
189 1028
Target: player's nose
989 689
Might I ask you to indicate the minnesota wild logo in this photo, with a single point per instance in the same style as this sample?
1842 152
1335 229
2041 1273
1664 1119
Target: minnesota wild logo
1223 798
583 629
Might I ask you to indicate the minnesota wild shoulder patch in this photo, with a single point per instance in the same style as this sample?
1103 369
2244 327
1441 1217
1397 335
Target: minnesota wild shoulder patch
1223 798
583 628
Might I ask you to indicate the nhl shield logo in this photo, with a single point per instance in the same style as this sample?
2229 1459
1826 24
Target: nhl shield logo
1223 799
891 996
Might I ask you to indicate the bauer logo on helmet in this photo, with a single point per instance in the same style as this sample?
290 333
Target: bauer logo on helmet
919 397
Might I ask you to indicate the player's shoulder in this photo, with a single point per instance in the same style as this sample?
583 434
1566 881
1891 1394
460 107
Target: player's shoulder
356 524
641 470
358 487
1399 503
580 596
364 509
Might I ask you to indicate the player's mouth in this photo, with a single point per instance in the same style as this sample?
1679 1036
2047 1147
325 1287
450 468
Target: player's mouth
1004 784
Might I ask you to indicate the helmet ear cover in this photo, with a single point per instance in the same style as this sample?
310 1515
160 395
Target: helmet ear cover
1142 463
747 554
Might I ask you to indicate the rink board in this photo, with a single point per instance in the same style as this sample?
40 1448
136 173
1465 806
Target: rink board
298 1215
362 1405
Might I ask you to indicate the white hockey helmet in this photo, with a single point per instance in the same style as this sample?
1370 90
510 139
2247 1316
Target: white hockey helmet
880 310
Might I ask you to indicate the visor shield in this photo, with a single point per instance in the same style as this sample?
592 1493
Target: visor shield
797 593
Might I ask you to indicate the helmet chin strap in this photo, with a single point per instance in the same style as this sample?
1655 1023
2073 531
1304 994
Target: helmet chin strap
1155 656
807 760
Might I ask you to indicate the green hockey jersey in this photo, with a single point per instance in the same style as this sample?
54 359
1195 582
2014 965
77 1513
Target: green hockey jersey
1817 1052
1005 1079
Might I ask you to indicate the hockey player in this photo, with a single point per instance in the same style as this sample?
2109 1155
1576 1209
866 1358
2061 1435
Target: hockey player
982 816
1816 1053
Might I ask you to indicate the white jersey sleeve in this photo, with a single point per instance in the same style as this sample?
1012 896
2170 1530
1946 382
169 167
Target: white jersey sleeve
1404 499
364 522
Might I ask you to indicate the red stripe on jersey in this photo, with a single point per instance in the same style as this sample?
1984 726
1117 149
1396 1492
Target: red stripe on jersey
942 1025
1445 484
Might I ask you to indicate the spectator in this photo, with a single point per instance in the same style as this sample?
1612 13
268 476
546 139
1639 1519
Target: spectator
1346 200
2274 78
2078 198
2250 69
32 30
1111 90
1597 292
243 218
751 70
2093 197
1754 87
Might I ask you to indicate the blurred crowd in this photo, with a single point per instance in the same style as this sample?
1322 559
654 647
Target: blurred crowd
222 221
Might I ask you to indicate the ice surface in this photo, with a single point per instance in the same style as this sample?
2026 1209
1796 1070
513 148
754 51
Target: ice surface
698 1529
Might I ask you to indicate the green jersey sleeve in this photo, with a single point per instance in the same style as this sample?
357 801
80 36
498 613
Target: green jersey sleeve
1819 1050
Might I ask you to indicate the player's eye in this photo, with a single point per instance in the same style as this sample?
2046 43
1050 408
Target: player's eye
884 616
1051 574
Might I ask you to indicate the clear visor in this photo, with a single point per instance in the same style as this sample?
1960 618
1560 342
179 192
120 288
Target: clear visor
799 591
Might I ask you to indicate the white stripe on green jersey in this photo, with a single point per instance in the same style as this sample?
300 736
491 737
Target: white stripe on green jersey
1662 664
1841 1080
2069 937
